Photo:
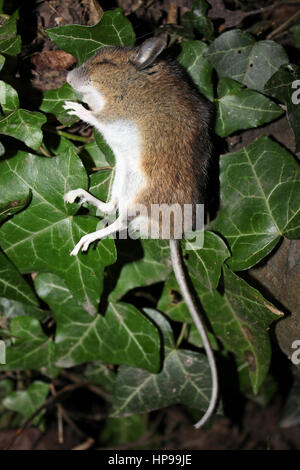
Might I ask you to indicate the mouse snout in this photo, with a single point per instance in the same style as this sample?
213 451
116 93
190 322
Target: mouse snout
76 78
69 77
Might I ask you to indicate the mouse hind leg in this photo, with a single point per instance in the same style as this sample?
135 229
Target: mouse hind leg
84 196
120 223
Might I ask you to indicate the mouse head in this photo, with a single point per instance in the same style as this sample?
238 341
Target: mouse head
115 75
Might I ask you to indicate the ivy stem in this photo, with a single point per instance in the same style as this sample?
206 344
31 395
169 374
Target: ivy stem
68 135
181 335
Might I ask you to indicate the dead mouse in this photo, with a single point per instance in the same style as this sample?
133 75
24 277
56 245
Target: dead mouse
158 127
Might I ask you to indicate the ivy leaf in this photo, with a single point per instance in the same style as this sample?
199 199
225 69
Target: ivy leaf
204 267
12 206
196 19
25 126
122 336
239 108
54 100
104 147
192 57
241 319
260 201
26 402
236 54
153 265
12 285
93 156
123 430
31 348
185 379
194 338
41 237
284 85
295 30
113 29
101 182
12 308
9 99
100 375
2 61
10 41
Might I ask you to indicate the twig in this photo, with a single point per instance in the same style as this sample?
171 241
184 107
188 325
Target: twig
172 13
95 168
85 445
68 135
181 336
71 423
60 428
46 404
60 425
283 26
234 18
76 379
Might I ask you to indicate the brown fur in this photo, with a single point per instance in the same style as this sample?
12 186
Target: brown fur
174 120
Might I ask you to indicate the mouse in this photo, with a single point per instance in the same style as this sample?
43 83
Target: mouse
158 126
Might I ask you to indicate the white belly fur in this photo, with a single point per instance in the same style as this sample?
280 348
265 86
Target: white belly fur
125 141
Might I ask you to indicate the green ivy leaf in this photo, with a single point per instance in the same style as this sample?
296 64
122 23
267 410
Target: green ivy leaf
260 201
100 375
100 184
2 61
153 265
284 85
12 308
123 430
53 101
122 336
194 338
25 126
113 29
12 284
295 30
104 148
92 156
11 207
26 402
9 99
236 54
31 348
196 19
193 59
241 318
10 41
41 237
185 379
239 108
204 267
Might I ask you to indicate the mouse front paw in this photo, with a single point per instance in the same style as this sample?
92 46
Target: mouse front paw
79 193
78 110
84 243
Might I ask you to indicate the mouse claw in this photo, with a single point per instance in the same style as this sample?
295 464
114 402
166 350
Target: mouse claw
80 111
74 194
84 243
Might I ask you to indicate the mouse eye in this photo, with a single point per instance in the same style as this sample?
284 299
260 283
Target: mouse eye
105 61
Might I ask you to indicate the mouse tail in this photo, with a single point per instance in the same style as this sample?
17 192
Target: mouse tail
177 262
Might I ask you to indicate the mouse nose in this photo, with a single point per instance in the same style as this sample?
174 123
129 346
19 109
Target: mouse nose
69 77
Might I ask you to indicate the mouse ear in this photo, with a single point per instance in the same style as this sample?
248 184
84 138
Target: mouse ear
148 51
